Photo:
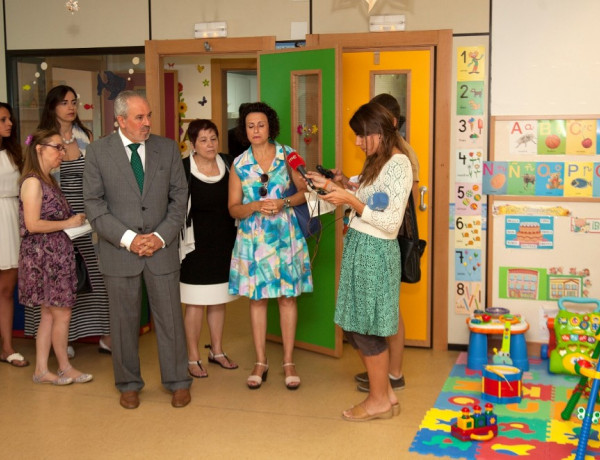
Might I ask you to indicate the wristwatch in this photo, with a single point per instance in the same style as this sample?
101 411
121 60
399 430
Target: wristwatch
286 202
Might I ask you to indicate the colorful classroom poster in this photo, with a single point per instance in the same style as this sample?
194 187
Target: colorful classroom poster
467 264
494 177
468 198
529 232
469 98
549 178
523 137
552 136
468 232
596 186
585 224
469 133
581 137
468 297
521 178
522 283
469 165
470 63
579 178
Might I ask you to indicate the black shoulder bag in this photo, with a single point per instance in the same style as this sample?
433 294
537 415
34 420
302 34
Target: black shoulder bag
411 247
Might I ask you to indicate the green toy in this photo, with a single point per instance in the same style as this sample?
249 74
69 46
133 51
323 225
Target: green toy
576 335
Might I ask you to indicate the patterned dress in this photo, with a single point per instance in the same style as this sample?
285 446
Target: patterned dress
270 257
90 315
46 260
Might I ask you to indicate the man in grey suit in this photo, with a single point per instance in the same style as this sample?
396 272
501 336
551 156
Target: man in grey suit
138 216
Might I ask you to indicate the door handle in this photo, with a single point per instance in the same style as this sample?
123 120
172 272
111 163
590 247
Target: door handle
422 191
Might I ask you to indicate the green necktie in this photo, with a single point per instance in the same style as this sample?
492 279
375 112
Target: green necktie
136 165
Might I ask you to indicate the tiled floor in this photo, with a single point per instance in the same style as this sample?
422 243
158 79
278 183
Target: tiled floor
225 419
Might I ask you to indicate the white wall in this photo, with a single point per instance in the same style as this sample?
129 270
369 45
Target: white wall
545 57
46 24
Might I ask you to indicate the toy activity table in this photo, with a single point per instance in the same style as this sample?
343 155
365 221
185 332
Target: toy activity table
478 342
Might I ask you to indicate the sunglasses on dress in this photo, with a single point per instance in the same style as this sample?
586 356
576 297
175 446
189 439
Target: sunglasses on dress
264 179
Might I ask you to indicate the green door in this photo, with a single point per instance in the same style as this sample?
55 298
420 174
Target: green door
301 86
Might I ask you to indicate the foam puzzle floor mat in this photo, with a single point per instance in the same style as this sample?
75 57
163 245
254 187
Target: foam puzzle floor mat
532 428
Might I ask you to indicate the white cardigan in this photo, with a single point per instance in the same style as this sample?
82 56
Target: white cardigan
395 179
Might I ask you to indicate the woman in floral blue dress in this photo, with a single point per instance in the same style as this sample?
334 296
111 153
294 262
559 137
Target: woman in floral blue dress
47 278
270 257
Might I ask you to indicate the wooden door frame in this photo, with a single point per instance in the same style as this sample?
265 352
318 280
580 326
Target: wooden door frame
441 40
218 69
156 50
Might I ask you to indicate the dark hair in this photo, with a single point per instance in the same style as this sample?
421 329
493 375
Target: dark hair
32 163
390 103
373 118
259 107
11 143
198 125
54 97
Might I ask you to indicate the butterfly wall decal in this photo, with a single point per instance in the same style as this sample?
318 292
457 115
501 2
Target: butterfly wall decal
203 101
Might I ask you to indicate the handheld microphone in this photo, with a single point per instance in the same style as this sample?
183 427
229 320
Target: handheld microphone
378 201
297 163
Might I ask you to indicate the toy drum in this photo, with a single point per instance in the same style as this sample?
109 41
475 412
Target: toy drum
502 384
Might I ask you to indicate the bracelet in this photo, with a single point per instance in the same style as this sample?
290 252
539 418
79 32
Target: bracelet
287 202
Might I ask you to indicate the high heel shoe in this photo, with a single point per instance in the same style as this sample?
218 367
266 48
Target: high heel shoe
103 348
254 382
292 382
81 378
60 381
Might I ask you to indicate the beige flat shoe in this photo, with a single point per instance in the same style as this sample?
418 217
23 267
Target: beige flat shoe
360 414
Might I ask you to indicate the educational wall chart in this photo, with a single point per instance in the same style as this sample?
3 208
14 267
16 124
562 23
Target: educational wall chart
542 184
469 208
542 178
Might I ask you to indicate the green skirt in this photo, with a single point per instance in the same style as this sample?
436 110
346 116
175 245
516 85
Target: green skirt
369 289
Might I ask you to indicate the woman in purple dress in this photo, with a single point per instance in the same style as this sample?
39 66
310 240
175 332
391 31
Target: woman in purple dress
47 277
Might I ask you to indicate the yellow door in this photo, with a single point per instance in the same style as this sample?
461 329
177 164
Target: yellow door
361 74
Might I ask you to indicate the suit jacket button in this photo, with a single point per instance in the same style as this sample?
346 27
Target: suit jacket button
143 208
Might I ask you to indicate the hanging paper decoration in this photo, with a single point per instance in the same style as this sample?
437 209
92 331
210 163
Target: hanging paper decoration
371 4
72 6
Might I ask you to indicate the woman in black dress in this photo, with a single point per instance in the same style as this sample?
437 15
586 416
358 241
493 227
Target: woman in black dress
205 270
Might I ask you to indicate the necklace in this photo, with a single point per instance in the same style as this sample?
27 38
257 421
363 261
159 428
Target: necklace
68 142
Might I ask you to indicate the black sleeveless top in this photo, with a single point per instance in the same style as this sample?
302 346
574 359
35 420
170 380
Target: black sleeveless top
214 230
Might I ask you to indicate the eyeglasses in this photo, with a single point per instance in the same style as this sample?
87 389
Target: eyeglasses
264 179
59 147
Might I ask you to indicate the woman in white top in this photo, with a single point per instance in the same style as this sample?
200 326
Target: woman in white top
367 303
11 164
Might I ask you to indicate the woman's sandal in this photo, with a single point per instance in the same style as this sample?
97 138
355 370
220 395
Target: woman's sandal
254 382
359 414
60 381
292 382
81 378
212 358
198 363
